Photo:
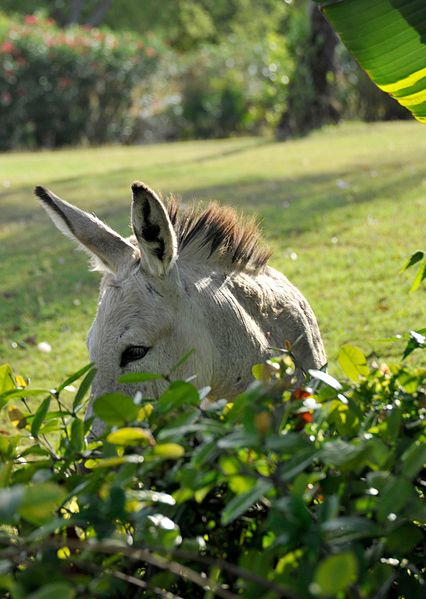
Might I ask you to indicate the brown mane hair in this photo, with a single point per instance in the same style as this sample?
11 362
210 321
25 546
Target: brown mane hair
218 234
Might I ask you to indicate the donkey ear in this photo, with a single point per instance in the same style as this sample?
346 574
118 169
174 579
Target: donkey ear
94 236
153 230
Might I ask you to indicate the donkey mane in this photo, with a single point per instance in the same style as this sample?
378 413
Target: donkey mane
217 234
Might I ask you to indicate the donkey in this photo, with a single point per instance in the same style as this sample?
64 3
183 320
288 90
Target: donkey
187 279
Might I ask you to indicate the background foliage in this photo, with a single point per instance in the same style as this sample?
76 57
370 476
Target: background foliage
230 68
63 87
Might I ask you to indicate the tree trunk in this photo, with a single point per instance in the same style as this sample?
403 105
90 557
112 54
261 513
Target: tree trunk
310 103
323 41
75 12
99 13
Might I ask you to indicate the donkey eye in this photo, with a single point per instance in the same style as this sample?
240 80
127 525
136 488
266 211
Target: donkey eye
132 353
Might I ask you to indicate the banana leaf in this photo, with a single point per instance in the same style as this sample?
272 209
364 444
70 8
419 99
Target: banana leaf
388 39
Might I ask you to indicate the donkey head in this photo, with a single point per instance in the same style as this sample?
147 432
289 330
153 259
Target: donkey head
144 322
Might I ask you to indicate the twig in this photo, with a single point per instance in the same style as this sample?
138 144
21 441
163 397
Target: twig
156 560
237 571
48 447
62 416
144 585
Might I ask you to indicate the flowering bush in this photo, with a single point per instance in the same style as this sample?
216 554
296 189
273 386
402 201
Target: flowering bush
66 86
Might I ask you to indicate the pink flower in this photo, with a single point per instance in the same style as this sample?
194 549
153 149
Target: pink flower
31 20
64 82
6 98
150 52
7 47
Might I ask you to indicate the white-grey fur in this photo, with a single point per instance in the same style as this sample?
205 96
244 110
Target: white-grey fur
152 297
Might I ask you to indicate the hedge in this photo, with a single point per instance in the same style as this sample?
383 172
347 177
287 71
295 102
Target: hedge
286 492
69 86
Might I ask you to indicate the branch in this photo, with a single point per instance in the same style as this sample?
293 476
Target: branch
155 560
237 571
143 585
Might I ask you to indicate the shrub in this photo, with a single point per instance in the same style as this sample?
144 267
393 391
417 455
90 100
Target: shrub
220 90
67 86
286 492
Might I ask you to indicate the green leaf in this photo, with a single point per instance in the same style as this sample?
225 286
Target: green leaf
52 525
39 501
395 496
115 408
39 416
287 443
83 388
7 583
417 340
8 447
416 257
335 574
387 39
178 394
348 529
241 438
241 503
261 372
420 276
404 539
130 436
10 499
414 458
93 464
54 590
169 451
241 484
139 377
353 362
77 435
298 463
340 453
19 393
5 473
409 381
74 377
6 378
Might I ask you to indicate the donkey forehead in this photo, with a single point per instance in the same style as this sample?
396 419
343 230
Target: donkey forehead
132 300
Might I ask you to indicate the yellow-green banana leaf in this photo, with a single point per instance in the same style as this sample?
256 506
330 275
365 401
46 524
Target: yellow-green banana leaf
388 39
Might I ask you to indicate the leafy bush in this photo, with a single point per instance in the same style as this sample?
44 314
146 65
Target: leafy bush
62 87
286 492
220 90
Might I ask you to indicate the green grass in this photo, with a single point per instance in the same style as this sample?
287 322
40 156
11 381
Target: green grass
341 209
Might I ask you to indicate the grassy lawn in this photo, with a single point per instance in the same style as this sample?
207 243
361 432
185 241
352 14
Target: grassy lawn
342 210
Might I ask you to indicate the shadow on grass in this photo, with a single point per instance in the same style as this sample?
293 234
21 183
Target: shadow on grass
294 206
298 201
